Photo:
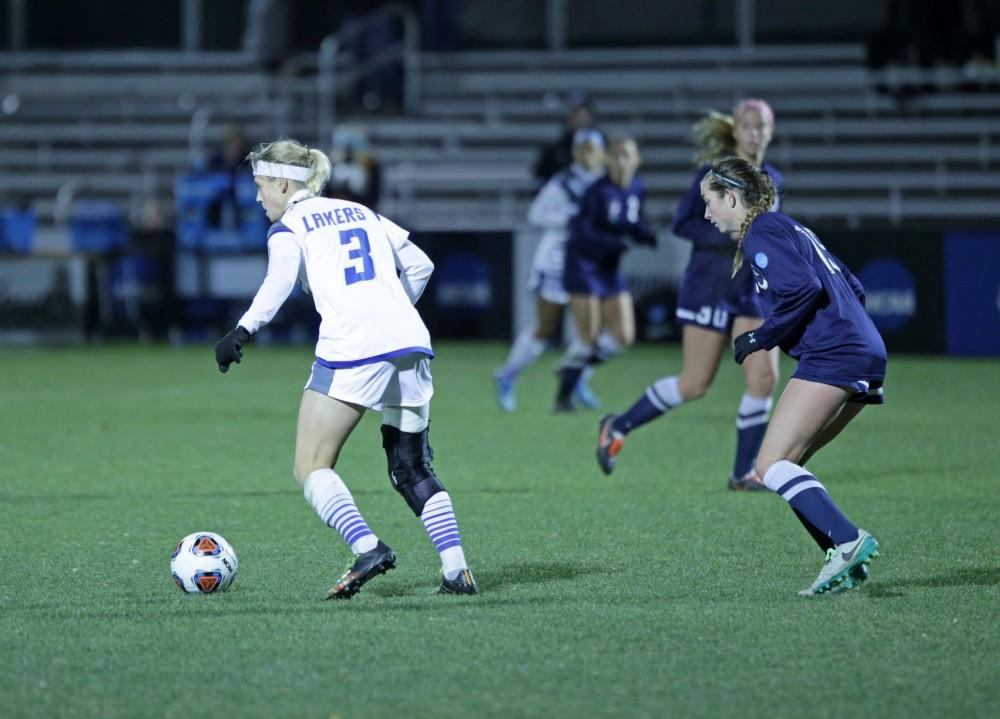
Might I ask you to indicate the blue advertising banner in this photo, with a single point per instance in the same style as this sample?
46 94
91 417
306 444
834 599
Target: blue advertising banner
972 292
469 294
902 273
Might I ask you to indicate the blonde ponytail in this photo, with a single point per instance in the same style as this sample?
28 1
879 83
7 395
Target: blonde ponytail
321 168
713 137
286 151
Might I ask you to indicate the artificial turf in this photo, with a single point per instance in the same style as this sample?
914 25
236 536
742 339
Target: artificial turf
650 593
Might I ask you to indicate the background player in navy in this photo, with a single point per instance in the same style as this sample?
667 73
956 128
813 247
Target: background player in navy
814 311
609 222
712 306
551 211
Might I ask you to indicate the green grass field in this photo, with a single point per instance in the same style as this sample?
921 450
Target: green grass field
652 593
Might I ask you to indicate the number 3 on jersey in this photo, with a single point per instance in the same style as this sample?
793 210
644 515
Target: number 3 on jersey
361 252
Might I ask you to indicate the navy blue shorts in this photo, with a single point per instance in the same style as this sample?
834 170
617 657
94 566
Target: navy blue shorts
861 375
709 298
586 277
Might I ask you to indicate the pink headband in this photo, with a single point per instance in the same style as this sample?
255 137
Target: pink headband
753 103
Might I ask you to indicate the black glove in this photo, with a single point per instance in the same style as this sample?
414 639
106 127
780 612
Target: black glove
227 350
745 344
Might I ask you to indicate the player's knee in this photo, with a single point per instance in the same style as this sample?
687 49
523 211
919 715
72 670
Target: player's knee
761 382
409 455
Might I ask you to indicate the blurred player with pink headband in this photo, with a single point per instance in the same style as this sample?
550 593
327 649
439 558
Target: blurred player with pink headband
713 306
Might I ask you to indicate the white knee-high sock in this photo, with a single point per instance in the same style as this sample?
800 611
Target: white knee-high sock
439 520
333 502
525 351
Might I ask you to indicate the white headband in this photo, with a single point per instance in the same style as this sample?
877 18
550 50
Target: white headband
285 172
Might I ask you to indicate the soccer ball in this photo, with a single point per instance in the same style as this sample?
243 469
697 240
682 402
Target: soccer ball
204 563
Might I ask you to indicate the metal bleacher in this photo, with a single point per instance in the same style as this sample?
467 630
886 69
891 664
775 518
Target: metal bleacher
858 147
120 126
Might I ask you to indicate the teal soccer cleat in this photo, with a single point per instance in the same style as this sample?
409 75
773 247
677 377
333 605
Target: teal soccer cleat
584 395
506 399
841 571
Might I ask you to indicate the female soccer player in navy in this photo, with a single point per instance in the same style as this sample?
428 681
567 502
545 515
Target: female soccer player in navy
814 311
712 306
373 352
609 222
551 211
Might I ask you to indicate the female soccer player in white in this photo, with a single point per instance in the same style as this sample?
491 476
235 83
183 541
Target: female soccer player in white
554 206
373 352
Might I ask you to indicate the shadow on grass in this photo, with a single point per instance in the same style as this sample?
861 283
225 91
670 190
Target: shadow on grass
534 573
969 577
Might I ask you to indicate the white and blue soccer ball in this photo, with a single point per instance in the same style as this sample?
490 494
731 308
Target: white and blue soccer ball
204 563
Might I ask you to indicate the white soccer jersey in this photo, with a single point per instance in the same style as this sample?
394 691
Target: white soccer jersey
347 257
556 204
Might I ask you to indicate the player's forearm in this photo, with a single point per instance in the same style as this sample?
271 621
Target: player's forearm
415 270
274 290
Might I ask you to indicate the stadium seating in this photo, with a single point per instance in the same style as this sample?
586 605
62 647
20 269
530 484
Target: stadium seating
858 147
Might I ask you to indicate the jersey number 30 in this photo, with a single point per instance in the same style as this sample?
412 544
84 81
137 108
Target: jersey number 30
361 252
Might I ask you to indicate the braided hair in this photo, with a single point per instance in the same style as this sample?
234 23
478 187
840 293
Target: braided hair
753 184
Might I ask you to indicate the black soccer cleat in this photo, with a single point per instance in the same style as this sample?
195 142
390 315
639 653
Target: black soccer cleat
461 584
609 443
366 565
563 406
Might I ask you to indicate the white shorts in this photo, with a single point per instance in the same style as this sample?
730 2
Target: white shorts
546 278
548 286
399 382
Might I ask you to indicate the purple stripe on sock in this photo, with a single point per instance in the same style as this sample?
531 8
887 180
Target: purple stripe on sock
339 520
434 526
792 482
340 509
351 525
355 536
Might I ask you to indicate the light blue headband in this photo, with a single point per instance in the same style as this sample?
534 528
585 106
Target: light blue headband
729 181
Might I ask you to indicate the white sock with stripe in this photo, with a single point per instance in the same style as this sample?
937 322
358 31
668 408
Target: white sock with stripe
439 520
333 502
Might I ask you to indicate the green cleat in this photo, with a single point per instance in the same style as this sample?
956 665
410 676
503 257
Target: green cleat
841 572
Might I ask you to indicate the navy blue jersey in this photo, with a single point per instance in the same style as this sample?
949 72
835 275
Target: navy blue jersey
689 219
610 219
813 305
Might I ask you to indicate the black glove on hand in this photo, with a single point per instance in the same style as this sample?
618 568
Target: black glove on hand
745 344
227 350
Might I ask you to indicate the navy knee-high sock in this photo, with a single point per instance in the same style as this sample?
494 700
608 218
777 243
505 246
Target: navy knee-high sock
809 499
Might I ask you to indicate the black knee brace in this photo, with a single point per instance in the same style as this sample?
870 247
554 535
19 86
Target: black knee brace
409 457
